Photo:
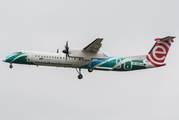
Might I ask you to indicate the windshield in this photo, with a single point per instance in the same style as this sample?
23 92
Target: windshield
19 52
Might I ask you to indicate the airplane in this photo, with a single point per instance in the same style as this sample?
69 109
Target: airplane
90 58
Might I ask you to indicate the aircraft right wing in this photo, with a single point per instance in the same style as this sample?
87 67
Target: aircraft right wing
94 46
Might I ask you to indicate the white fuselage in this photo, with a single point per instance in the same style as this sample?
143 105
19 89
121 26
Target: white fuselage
55 59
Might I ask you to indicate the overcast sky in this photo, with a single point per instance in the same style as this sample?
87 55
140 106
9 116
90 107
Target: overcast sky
128 27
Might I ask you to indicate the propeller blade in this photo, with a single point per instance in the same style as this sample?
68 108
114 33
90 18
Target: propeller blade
66 51
67 48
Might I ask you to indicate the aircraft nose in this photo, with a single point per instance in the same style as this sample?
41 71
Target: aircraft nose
4 60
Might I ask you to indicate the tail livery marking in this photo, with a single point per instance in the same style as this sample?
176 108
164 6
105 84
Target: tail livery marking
159 51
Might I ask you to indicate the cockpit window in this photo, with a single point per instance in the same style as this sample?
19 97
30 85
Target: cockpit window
19 52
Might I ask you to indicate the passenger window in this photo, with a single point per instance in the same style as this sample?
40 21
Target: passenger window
41 55
35 55
49 56
57 57
38 55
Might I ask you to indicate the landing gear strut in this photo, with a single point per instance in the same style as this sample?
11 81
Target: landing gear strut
90 69
80 76
10 66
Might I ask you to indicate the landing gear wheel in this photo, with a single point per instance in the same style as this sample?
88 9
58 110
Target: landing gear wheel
11 66
90 69
80 76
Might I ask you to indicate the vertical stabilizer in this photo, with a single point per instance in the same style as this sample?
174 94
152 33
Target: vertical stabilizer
159 51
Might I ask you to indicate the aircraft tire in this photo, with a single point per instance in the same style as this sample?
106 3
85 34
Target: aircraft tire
80 76
90 69
10 66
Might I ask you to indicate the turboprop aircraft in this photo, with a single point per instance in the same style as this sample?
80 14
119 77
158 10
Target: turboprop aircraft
90 58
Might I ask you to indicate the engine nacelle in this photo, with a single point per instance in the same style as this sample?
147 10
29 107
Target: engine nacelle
78 53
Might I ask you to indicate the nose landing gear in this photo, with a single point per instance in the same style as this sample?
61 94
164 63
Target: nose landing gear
10 66
80 76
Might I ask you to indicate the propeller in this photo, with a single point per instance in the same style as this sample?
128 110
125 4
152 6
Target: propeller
66 51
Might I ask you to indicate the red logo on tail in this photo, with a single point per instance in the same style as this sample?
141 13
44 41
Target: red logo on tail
159 53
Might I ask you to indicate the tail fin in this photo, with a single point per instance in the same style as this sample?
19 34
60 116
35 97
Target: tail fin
159 51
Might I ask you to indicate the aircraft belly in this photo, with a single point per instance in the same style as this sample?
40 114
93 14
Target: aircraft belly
60 63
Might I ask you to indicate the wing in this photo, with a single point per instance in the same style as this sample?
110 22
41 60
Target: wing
94 46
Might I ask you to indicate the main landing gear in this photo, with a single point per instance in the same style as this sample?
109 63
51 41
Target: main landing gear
80 76
90 69
10 66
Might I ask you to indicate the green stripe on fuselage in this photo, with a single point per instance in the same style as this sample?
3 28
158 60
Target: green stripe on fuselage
12 57
19 58
109 63
131 65
136 67
119 64
23 60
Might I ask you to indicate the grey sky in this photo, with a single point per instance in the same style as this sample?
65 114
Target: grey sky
128 27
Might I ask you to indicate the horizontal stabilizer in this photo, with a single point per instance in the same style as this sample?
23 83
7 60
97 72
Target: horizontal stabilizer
166 39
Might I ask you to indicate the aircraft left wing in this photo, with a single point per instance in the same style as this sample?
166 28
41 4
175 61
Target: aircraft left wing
94 46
